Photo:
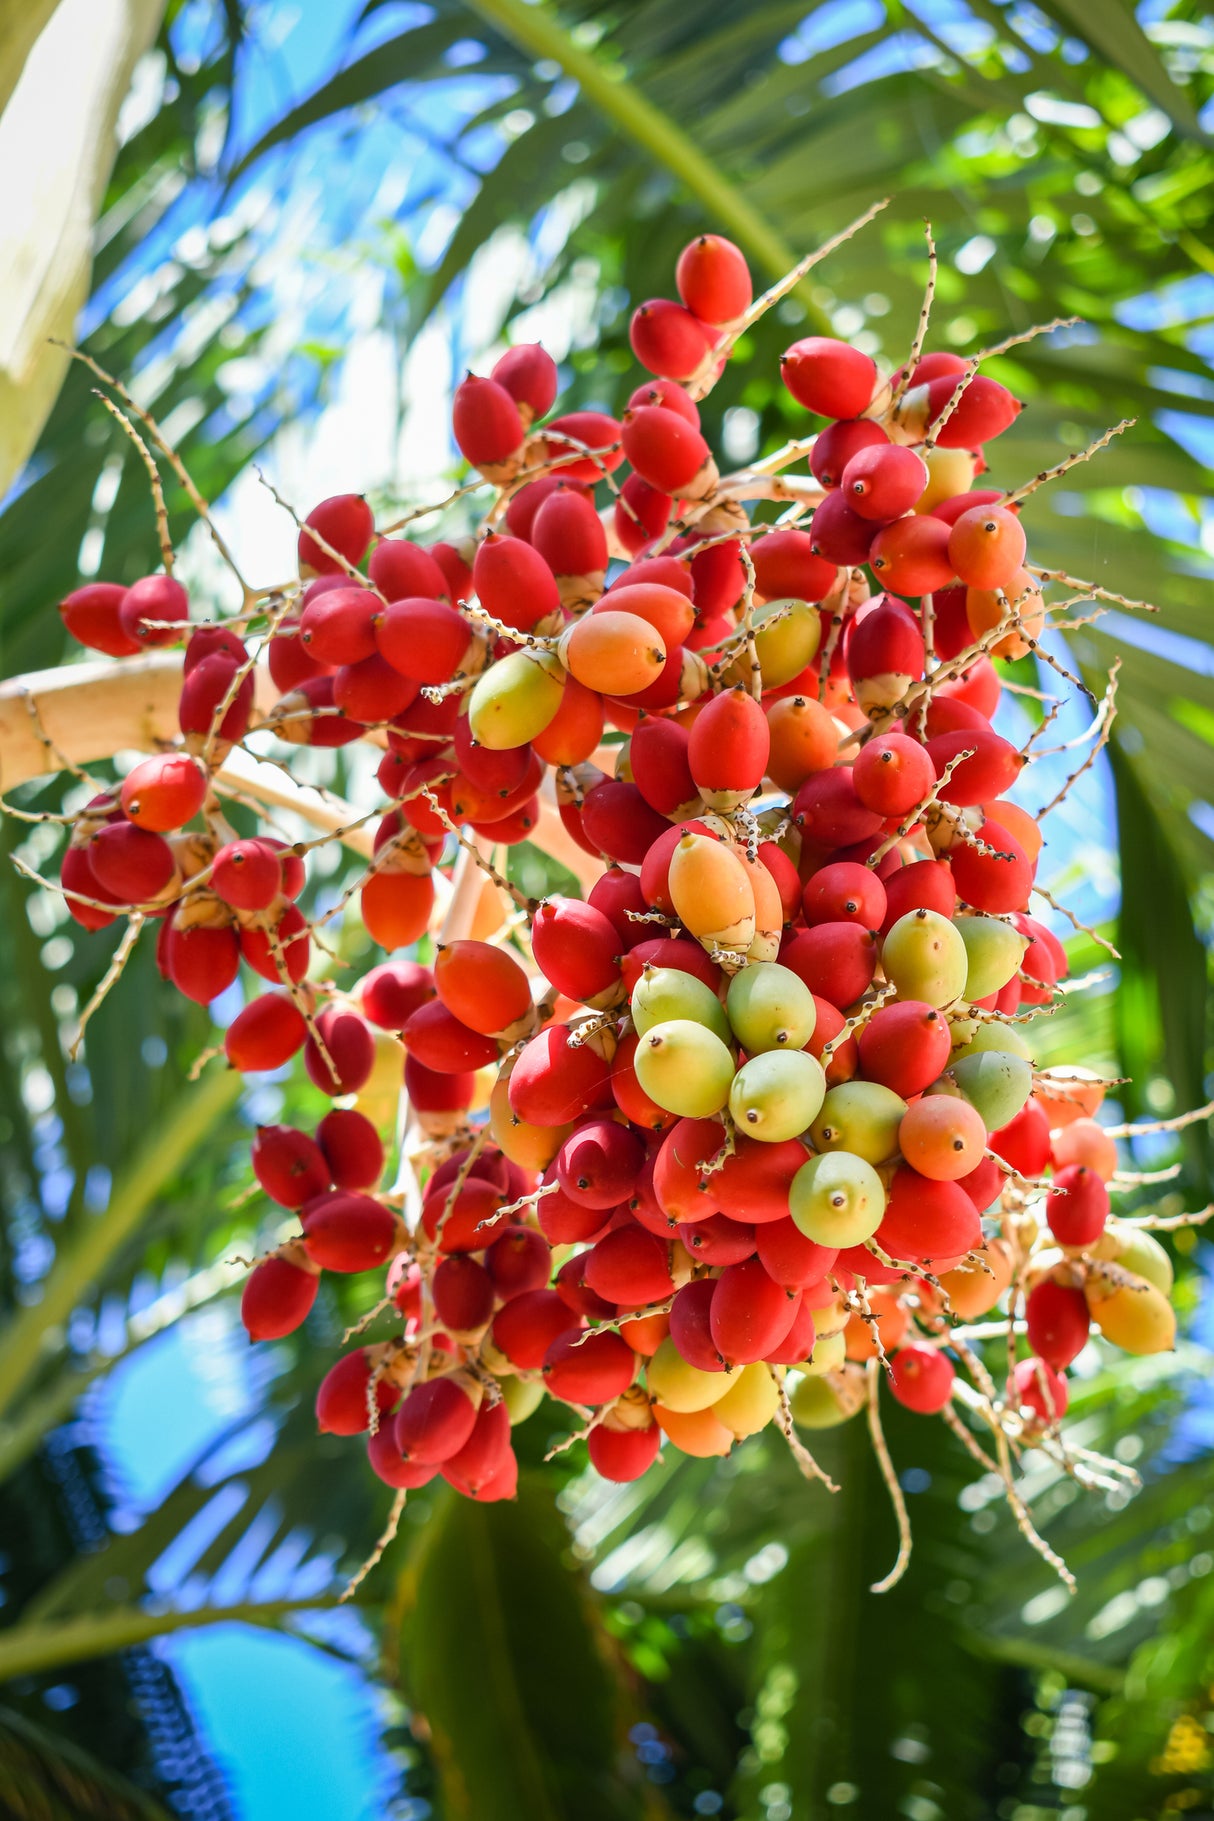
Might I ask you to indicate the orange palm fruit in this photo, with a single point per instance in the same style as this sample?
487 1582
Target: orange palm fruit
712 894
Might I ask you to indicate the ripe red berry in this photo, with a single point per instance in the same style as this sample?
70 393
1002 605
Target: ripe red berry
155 598
1078 1206
486 423
668 452
713 279
884 480
353 1150
1038 1388
400 569
92 615
528 373
435 1421
347 525
342 1402
845 893
829 377
590 1371
1058 1323
247 875
289 1165
921 1378
278 1296
200 962
266 1034
837 443
350 1052
668 338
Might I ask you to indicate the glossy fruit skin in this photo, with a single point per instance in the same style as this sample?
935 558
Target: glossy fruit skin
829 377
668 338
266 1034
593 1371
922 1378
836 1200
883 481
1058 1323
892 774
713 279
750 1314
905 1046
623 1454
277 1298
1078 1206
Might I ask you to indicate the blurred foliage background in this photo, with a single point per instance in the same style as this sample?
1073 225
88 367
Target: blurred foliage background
315 219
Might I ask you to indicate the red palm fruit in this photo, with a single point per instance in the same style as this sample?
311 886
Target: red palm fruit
994 882
947 715
923 885
930 366
1024 1142
154 598
389 1465
669 339
443 1042
502 1485
462 1224
978 687
463 1293
985 410
523 506
785 565
905 1047
423 639
986 546
349 1233
597 432
750 1314
921 1378
1078 1206
835 960
247 875
884 480
691 1326
1037 1387
719 1241
618 822
885 653
279 954
718 577
577 948
829 811
351 1052
668 452
131 863
577 1294
835 446
643 1204
752 1182
667 609
164 792
993 769
590 1371
290 1166
490 1166
519 1259
569 534
306 716
844 1060
213 641
728 749
713 279
486 422
658 758
338 627
204 691
911 555
396 907
950 510
513 582
352 1148
526 1326
424 728
483 987
664 572
829 377
670 395
641 513
785 876
845 893
598 1164
630 1096
266 1034
401 570
1058 1323
553 1082
201 963
983 1184
951 633
670 951
789 1258
528 373
629 1267
485 1456
615 893
623 1455
839 535
342 1398
92 616
392 993
278 1296
892 773
435 1421
798 1343
430 1093
927 1220
372 691
347 525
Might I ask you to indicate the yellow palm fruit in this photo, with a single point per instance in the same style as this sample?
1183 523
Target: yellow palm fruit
949 472
514 700
750 1403
1135 1249
679 1386
379 1097
829 1353
712 894
1135 1315
532 1147
769 911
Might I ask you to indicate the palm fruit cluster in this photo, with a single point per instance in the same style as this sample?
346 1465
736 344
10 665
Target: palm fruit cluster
690 1152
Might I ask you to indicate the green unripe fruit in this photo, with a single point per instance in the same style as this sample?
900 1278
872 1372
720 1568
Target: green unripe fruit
521 1397
995 951
996 1083
925 958
770 1008
666 993
515 699
836 1199
830 1351
684 1068
816 1406
787 636
776 1095
682 1387
862 1117
973 1038
1135 1249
